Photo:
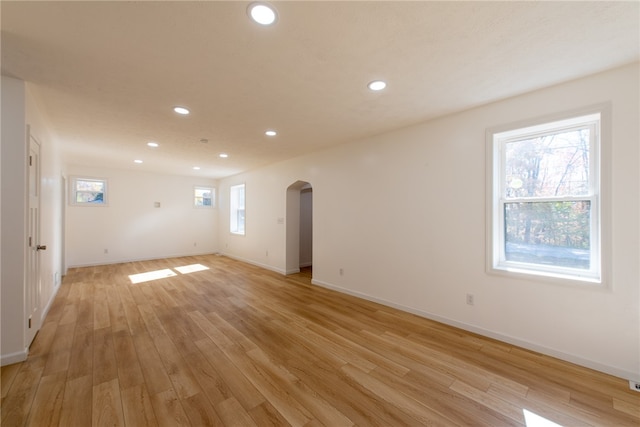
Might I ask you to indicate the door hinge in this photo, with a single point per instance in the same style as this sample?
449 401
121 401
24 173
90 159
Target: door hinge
29 322
30 160
29 241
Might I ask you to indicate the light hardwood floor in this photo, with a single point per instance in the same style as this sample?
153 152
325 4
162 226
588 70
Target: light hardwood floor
236 345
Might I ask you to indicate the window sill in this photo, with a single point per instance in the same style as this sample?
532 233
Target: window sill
517 272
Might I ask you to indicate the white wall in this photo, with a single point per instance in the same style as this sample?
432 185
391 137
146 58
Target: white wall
131 228
14 214
19 109
403 214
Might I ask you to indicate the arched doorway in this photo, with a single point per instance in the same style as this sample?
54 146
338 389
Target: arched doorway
299 223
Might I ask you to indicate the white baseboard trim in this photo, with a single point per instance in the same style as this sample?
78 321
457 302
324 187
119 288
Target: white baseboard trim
257 264
611 370
125 260
46 309
21 356
10 359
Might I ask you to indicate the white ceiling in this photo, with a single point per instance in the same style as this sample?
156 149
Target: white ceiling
109 73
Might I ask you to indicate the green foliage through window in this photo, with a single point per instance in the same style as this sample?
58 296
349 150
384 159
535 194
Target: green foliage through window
546 198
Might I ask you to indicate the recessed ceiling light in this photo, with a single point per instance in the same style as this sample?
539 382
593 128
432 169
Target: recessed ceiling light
262 13
181 110
137 161
196 168
271 133
152 144
377 85
223 155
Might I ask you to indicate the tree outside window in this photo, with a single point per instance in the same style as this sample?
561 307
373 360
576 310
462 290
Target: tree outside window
546 216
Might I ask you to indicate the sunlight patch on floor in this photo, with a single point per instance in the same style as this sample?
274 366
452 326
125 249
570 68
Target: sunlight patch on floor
151 275
191 268
167 272
535 420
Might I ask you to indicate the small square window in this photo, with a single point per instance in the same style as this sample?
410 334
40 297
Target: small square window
88 191
204 197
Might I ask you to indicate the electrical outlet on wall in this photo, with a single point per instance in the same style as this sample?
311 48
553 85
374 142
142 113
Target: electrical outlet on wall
470 299
634 385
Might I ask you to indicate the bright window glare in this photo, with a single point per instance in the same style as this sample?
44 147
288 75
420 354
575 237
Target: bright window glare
191 268
535 420
151 275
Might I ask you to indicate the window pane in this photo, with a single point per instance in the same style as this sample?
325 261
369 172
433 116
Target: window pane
549 165
90 186
89 197
548 233
237 218
240 228
203 192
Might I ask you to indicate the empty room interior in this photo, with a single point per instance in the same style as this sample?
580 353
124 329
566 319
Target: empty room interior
320 213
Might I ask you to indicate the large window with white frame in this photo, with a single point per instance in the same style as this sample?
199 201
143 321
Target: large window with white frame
88 191
545 207
236 204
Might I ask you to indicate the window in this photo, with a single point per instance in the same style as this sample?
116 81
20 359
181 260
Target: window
88 191
204 197
545 208
236 203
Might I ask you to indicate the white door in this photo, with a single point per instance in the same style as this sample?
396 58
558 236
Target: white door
33 283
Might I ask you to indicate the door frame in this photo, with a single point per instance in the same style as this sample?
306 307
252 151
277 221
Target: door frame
33 274
292 230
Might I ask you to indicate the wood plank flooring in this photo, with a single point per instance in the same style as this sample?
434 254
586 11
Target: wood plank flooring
236 345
